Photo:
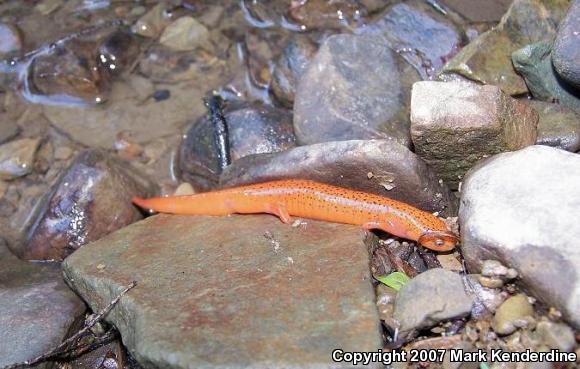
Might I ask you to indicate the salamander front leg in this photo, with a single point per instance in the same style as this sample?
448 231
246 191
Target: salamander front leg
280 211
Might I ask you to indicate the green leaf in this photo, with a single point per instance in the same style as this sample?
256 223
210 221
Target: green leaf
395 280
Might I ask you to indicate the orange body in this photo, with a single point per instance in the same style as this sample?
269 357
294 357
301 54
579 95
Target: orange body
309 199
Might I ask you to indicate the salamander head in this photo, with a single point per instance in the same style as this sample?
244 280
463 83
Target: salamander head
438 240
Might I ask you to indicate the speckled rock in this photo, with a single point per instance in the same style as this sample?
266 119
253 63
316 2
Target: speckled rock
487 59
382 167
455 124
355 87
429 298
90 200
520 208
274 285
290 67
420 34
534 63
558 126
253 129
566 52
37 309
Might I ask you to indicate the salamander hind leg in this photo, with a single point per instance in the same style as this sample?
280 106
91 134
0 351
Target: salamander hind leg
279 209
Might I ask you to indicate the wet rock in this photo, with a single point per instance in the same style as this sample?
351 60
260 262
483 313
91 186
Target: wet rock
118 52
37 309
290 67
321 14
424 37
512 314
343 94
127 112
556 335
534 63
67 73
476 11
520 208
17 157
488 58
382 167
429 298
63 153
558 126
10 39
152 23
90 200
253 129
454 125
186 34
227 276
566 53
8 128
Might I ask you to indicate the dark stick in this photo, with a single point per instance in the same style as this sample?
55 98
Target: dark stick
62 348
221 138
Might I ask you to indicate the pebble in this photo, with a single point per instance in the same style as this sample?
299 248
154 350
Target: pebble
558 336
184 189
63 153
429 298
511 314
493 268
17 157
186 34
10 39
490 282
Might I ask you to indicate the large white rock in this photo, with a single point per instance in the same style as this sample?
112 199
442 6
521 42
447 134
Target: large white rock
523 208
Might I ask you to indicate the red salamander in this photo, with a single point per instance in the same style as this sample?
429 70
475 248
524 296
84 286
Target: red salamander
309 199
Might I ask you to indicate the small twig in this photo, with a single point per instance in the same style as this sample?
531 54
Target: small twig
63 347
221 135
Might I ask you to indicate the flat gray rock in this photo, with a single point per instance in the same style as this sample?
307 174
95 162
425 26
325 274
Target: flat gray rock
433 296
383 167
521 208
37 308
237 292
355 87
